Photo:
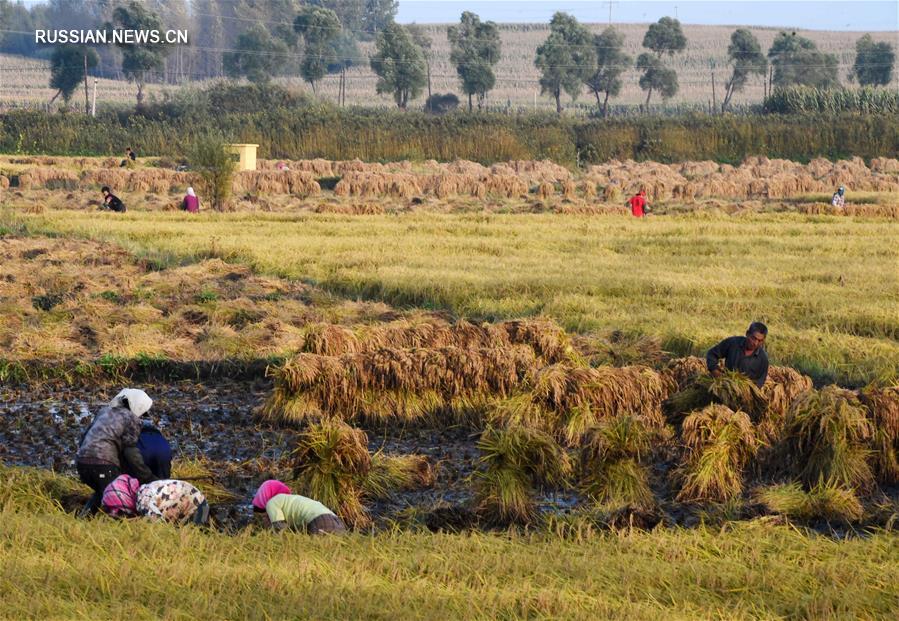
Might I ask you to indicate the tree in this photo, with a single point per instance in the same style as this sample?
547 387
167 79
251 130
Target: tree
797 61
423 40
319 28
67 64
139 60
873 62
259 56
399 63
663 37
214 167
745 53
656 76
209 37
611 62
474 50
377 14
351 13
566 59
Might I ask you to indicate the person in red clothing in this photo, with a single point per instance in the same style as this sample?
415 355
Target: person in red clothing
638 204
191 203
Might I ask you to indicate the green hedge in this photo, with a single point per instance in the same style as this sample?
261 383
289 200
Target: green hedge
298 130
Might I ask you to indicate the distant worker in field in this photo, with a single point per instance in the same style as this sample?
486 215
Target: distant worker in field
282 166
130 156
191 203
745 354
109 445
638 204
155 450
111 201
166 500
286 510
839 198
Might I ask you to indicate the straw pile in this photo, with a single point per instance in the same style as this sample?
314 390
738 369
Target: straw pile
822 501
293 182
613 463
517 461
330 461
883 408
731 388
825 439
719 443
780 390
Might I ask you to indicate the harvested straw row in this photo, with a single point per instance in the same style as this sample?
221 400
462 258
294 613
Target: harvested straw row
782 387
613 463
549 342
387 383
883 408
294 182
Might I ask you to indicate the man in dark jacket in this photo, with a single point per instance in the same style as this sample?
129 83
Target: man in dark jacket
111 201
745 354
110 442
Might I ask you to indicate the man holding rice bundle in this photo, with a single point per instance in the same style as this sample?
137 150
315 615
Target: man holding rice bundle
745 354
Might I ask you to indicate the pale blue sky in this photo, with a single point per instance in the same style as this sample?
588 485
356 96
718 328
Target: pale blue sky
864 15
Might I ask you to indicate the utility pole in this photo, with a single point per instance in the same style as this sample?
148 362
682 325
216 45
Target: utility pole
94 100
610 11
714 99
86 102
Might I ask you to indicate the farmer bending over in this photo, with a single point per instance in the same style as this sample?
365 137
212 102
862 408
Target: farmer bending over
286 510
745 354
111 442
191 203
155 450
111 201
167 500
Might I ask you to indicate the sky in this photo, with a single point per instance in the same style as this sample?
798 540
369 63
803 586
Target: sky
861 15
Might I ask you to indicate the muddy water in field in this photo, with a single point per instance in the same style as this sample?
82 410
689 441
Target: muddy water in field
42 428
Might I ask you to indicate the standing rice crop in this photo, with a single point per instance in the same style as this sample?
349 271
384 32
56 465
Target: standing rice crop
719 443
613 463
826 437
515 462
330 460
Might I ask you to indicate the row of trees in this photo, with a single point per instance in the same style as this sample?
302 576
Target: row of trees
315 38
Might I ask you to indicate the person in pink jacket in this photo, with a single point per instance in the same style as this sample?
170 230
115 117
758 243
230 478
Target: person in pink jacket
191 203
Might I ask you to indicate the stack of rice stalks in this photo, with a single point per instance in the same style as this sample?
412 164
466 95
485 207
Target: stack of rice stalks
683 371
330 462
719 444
883 409
364 184
404 384
780 390
581 397
516 462
825 439
823 501
294 182
731 388
613 463
201 473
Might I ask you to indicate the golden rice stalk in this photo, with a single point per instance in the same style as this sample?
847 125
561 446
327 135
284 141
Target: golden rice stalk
684 370
825 439
883 409
823 501
516 461
520 410
329 461
392 473
548 340
731 388
200 472
330 340
719 443
613 463
781 388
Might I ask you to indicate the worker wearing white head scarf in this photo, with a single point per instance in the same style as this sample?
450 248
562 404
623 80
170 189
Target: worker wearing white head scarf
111 443
190 192
191 203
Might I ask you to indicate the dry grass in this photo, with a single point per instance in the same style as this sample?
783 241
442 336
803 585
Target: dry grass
719 444
883 407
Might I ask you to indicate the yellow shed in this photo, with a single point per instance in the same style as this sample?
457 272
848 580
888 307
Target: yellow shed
247 154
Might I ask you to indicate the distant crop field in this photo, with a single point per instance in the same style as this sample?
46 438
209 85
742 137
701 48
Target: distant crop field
516 85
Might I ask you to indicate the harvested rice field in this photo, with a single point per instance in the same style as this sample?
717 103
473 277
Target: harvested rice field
490 374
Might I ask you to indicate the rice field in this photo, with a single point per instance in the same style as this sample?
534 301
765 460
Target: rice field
826 286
